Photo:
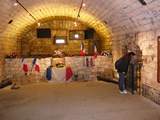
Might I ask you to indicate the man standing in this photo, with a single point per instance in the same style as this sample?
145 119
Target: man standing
121 66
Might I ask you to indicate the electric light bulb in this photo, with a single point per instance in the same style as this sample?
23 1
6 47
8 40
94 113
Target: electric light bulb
15 4
75 23
76 36
83 4
39 24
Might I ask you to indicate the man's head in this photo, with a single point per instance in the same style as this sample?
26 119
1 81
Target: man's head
131 54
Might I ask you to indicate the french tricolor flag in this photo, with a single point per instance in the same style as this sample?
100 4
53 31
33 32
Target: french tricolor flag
95 51
82 51
25 66
35 65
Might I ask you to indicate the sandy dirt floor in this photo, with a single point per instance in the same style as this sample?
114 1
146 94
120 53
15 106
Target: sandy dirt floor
74 101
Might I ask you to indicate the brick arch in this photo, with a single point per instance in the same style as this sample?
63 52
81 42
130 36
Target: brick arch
22 19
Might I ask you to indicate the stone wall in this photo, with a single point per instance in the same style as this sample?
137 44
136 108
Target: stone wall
13 68
151 93
33 46
144 44
124 43
1 69
148 44
7 47
100 65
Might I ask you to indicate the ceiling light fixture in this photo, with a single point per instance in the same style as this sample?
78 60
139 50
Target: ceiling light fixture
83 4
75 24
15 4
39 24
10 21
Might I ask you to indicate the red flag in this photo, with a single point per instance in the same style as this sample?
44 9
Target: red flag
69 73
25 66
82 51
37 66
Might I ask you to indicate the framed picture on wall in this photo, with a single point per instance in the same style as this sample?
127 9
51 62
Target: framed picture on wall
44 33
158 59
76 35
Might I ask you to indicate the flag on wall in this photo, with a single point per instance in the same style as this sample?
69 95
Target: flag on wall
95 51
82 50
49 73
69 73
25 66
35 65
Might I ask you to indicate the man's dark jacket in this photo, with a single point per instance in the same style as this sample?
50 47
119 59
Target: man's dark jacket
122 64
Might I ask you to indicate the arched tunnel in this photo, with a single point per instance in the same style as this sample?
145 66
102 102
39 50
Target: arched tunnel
82 39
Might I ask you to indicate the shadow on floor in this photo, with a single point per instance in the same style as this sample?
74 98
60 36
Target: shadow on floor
107 80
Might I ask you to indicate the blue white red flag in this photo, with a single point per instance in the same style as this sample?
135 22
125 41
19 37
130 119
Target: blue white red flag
95 51
25 66
82 50
35 65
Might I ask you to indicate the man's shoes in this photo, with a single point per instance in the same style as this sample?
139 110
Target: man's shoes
123 92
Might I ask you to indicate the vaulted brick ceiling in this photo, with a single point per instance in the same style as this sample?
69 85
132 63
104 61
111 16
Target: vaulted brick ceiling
121 16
